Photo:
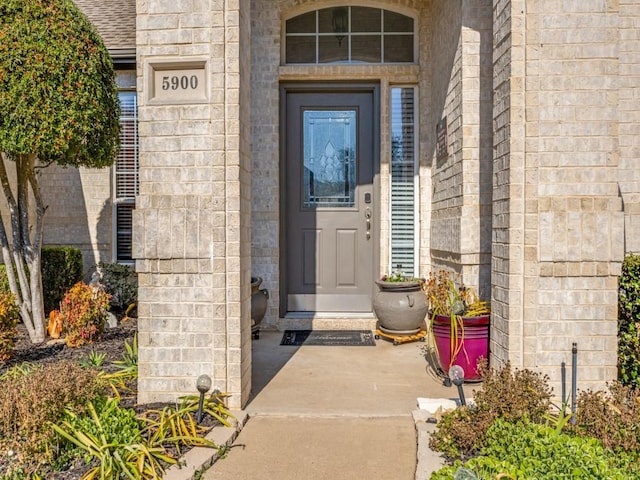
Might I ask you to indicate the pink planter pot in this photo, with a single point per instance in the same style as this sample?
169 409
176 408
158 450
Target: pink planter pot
472 344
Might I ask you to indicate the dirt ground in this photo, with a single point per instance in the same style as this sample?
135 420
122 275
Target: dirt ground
111 343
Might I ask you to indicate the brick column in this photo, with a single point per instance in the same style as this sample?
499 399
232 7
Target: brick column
558 222
192 219
460 235
508 184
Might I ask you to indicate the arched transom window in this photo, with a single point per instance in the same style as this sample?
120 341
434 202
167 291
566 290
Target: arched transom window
350 34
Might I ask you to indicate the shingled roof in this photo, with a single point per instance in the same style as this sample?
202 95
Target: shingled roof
115 20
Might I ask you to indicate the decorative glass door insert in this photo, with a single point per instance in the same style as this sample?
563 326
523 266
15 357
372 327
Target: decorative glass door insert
329 138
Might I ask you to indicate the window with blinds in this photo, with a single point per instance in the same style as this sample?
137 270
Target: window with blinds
126 176
403 181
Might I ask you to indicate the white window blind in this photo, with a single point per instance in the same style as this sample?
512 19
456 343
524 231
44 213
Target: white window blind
403 181
126 175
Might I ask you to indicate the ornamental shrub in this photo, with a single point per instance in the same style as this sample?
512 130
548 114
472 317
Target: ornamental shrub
524 451
32 396
510 395
629 292
61 269
121 282
628 320
514 394
612 416
4 280
84 313
9 316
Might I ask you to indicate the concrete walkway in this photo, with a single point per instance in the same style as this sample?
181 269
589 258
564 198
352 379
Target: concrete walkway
334 413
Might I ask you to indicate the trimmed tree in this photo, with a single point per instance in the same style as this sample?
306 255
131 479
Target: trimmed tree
58 104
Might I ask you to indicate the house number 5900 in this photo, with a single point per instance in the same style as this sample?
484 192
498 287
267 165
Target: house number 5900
177 83
183 82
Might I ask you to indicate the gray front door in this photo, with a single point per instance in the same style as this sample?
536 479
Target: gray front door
330 203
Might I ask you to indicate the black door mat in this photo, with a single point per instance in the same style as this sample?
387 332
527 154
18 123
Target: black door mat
350 338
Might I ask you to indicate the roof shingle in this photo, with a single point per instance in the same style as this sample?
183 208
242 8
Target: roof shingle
115 20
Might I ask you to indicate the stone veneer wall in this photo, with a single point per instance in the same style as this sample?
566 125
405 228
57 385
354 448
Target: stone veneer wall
443 201
629 126
461 207
191 227
508 185
243 82
265 181
558 221
82 217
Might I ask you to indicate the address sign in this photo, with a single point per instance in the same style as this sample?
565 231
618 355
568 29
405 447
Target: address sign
178 84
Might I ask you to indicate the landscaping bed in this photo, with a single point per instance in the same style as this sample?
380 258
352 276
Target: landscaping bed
111 343
514 431
150 430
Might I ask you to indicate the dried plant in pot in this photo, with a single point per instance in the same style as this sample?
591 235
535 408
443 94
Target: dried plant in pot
399 304
459 322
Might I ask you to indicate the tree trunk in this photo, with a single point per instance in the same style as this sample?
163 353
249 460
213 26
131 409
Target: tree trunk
22 256
35 266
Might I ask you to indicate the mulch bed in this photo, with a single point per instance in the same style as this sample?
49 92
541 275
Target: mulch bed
111 342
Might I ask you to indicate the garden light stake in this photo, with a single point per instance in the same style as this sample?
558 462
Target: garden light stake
203 385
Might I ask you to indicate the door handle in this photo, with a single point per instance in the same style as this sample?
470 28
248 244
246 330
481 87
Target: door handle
367 216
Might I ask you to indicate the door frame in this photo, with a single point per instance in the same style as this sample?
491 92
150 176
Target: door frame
328 87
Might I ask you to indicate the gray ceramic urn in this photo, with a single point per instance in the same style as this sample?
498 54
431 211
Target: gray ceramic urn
401 307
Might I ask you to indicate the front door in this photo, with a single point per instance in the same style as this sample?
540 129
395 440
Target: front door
330 157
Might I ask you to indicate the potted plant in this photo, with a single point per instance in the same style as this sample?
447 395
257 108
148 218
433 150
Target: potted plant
459 323
399 304
259 299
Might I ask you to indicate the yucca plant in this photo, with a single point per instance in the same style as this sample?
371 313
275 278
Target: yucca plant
177 425
128 366
94 359
126 369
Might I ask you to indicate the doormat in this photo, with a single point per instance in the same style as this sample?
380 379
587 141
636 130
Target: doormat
349 338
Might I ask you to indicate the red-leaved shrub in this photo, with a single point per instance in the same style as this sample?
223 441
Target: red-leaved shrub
84 312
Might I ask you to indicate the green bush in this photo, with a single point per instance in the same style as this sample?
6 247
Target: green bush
118 426
628 319
629 355
524 451
61 269
4 280
121 282
629 291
